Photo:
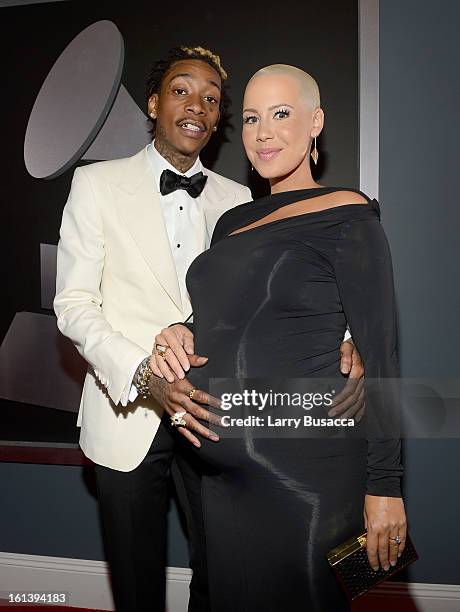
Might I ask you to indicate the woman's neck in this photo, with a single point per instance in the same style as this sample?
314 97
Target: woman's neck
300 178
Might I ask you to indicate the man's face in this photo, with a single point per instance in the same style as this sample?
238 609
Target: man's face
187 107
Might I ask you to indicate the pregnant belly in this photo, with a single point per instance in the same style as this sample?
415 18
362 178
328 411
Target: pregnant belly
280 431
271 437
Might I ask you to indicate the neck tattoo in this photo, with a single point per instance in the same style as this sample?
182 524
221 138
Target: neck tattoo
181 162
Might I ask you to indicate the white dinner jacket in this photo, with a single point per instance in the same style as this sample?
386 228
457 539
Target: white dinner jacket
116 288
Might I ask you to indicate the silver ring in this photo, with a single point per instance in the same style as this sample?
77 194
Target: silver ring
397 539
177 419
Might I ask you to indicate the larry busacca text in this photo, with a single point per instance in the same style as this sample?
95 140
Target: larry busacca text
276 410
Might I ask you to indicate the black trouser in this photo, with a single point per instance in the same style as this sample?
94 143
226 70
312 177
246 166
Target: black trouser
187 470
133 510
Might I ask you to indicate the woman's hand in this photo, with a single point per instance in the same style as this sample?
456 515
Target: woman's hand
178 356
384 518
349 403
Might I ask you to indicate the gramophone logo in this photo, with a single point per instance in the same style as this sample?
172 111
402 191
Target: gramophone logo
82 112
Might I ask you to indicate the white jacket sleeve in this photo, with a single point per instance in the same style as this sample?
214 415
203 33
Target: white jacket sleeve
79 303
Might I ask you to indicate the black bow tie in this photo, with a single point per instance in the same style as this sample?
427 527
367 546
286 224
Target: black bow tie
193 185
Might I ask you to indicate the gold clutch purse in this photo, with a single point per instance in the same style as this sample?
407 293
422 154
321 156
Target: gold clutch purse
351 566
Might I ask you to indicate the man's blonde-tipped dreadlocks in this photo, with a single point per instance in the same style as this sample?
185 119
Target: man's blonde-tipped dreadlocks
209 54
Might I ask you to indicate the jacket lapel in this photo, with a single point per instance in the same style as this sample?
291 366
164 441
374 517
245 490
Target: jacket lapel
139 205
215 202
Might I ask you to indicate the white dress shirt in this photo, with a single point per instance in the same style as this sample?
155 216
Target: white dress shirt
181 214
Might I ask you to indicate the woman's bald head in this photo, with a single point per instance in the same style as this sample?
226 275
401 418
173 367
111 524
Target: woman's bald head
281 116
308 86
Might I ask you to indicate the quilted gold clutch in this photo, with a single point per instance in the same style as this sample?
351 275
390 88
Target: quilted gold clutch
350 564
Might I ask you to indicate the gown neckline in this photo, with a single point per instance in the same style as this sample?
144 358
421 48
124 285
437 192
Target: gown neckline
284 198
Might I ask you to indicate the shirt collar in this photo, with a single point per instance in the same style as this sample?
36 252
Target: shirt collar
159 163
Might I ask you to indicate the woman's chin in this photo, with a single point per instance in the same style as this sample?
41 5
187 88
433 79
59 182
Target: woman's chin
267 173
272 172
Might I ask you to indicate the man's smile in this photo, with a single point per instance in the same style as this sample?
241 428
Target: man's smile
192 128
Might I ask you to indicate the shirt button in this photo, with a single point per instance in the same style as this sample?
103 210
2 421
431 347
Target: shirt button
178 246
181 208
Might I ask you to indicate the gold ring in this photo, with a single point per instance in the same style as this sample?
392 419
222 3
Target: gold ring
192 393
161 350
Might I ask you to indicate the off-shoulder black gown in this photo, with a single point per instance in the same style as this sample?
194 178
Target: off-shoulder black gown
275 300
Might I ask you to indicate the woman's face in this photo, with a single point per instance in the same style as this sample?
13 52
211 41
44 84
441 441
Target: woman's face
277 125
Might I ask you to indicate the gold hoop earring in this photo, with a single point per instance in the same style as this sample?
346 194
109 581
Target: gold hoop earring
315 154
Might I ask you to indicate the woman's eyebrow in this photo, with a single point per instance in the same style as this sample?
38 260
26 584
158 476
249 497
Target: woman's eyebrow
280 104
253 110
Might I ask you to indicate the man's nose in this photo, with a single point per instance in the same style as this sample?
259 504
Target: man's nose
195 105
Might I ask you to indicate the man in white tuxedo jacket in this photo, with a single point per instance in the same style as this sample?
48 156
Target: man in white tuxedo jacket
117 286
122 257
130 229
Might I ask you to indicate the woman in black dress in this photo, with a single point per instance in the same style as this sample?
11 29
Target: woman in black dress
271 299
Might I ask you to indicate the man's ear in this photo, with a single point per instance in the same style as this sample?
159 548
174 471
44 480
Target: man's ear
216 125
153 106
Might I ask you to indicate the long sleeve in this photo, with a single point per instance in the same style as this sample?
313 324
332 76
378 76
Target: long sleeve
78 301
365 280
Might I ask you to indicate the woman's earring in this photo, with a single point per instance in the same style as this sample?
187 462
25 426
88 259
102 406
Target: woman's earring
315 154
214 129
252 168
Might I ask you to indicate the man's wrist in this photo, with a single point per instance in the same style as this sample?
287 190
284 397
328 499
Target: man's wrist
157 388
142 377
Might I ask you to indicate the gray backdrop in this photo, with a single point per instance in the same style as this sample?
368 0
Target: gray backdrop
419 130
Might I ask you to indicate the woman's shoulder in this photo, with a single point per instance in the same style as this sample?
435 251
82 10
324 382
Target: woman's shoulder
341 197
333 201
350 204
333 205
322 199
